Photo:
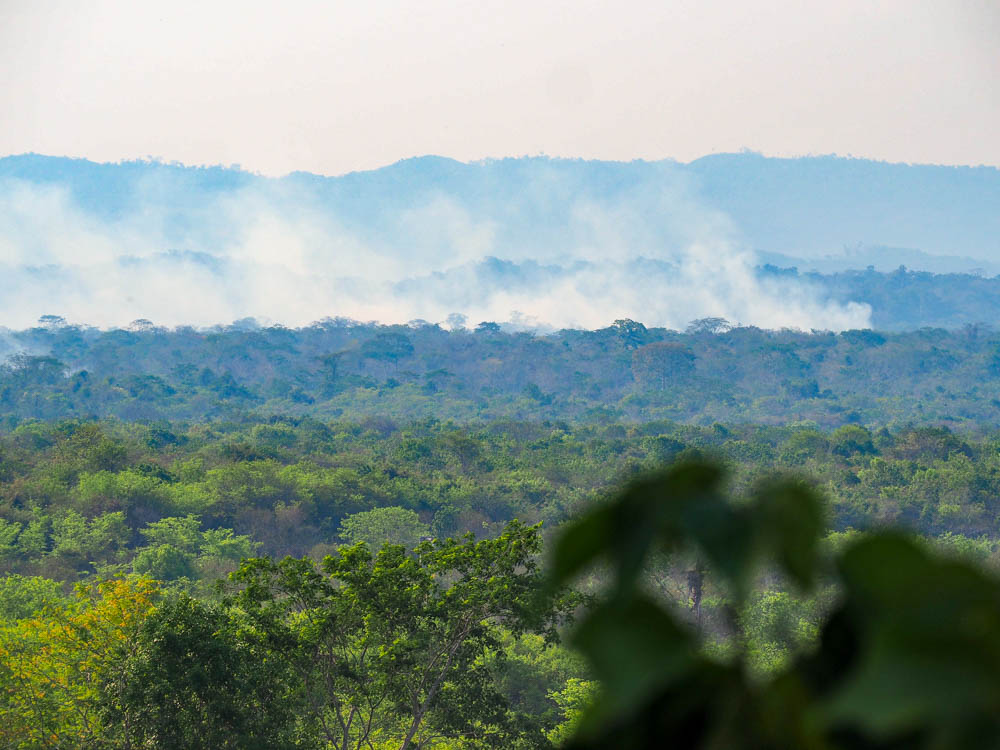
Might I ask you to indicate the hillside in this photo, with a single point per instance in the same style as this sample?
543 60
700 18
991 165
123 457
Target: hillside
806 207
540 242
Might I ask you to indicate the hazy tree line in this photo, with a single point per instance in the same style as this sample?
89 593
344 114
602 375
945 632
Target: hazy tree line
906 299
714 371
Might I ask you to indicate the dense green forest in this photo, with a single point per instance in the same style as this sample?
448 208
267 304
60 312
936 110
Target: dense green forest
187 502
340 369
342 536
134 503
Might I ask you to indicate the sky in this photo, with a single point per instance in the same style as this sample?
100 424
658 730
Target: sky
332 87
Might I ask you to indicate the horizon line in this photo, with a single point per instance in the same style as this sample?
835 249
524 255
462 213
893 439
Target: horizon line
236 167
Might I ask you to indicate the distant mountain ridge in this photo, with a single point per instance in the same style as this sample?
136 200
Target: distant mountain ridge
537 243
807 207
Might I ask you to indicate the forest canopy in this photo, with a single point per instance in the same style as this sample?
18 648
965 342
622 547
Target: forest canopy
341 369
352 535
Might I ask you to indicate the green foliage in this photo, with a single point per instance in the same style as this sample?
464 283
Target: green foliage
164 562
181 533
908 656
9 533
33 540
289 486
86 540
23 596
712 372
573 700
716 622
191 678
777 625
177 546
703 603
51 663
222 544
396 644
850 440
394 525
390 347
662 363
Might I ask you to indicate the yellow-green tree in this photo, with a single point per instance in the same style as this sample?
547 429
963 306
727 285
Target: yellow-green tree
52 664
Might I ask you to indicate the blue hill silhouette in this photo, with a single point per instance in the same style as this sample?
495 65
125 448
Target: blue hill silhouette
802 208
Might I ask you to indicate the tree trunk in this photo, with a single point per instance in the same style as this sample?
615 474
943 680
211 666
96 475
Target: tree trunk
695 582
414 726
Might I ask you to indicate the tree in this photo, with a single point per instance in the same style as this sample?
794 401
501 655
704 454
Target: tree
709 325
51 664
9 532
851 439
329 366
384 526
181 532
83 541
21 596
573 700
164 562
387 347
661 363
632 334
29 370
191 678
392 646
456 321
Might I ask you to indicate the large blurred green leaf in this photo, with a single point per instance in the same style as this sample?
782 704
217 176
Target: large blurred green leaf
789 519
930 629
582 543
664 509
634 647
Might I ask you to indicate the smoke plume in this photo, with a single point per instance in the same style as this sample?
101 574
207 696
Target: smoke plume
276 250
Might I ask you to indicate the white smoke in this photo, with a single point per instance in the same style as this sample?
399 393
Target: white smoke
276 255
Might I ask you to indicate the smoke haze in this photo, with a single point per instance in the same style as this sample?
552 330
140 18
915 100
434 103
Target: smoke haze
274 250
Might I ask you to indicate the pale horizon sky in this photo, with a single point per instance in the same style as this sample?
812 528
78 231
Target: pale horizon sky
336 87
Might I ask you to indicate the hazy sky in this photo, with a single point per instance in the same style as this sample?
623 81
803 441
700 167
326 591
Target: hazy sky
336 86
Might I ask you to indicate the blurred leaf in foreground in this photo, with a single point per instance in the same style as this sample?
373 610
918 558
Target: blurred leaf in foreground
909 657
